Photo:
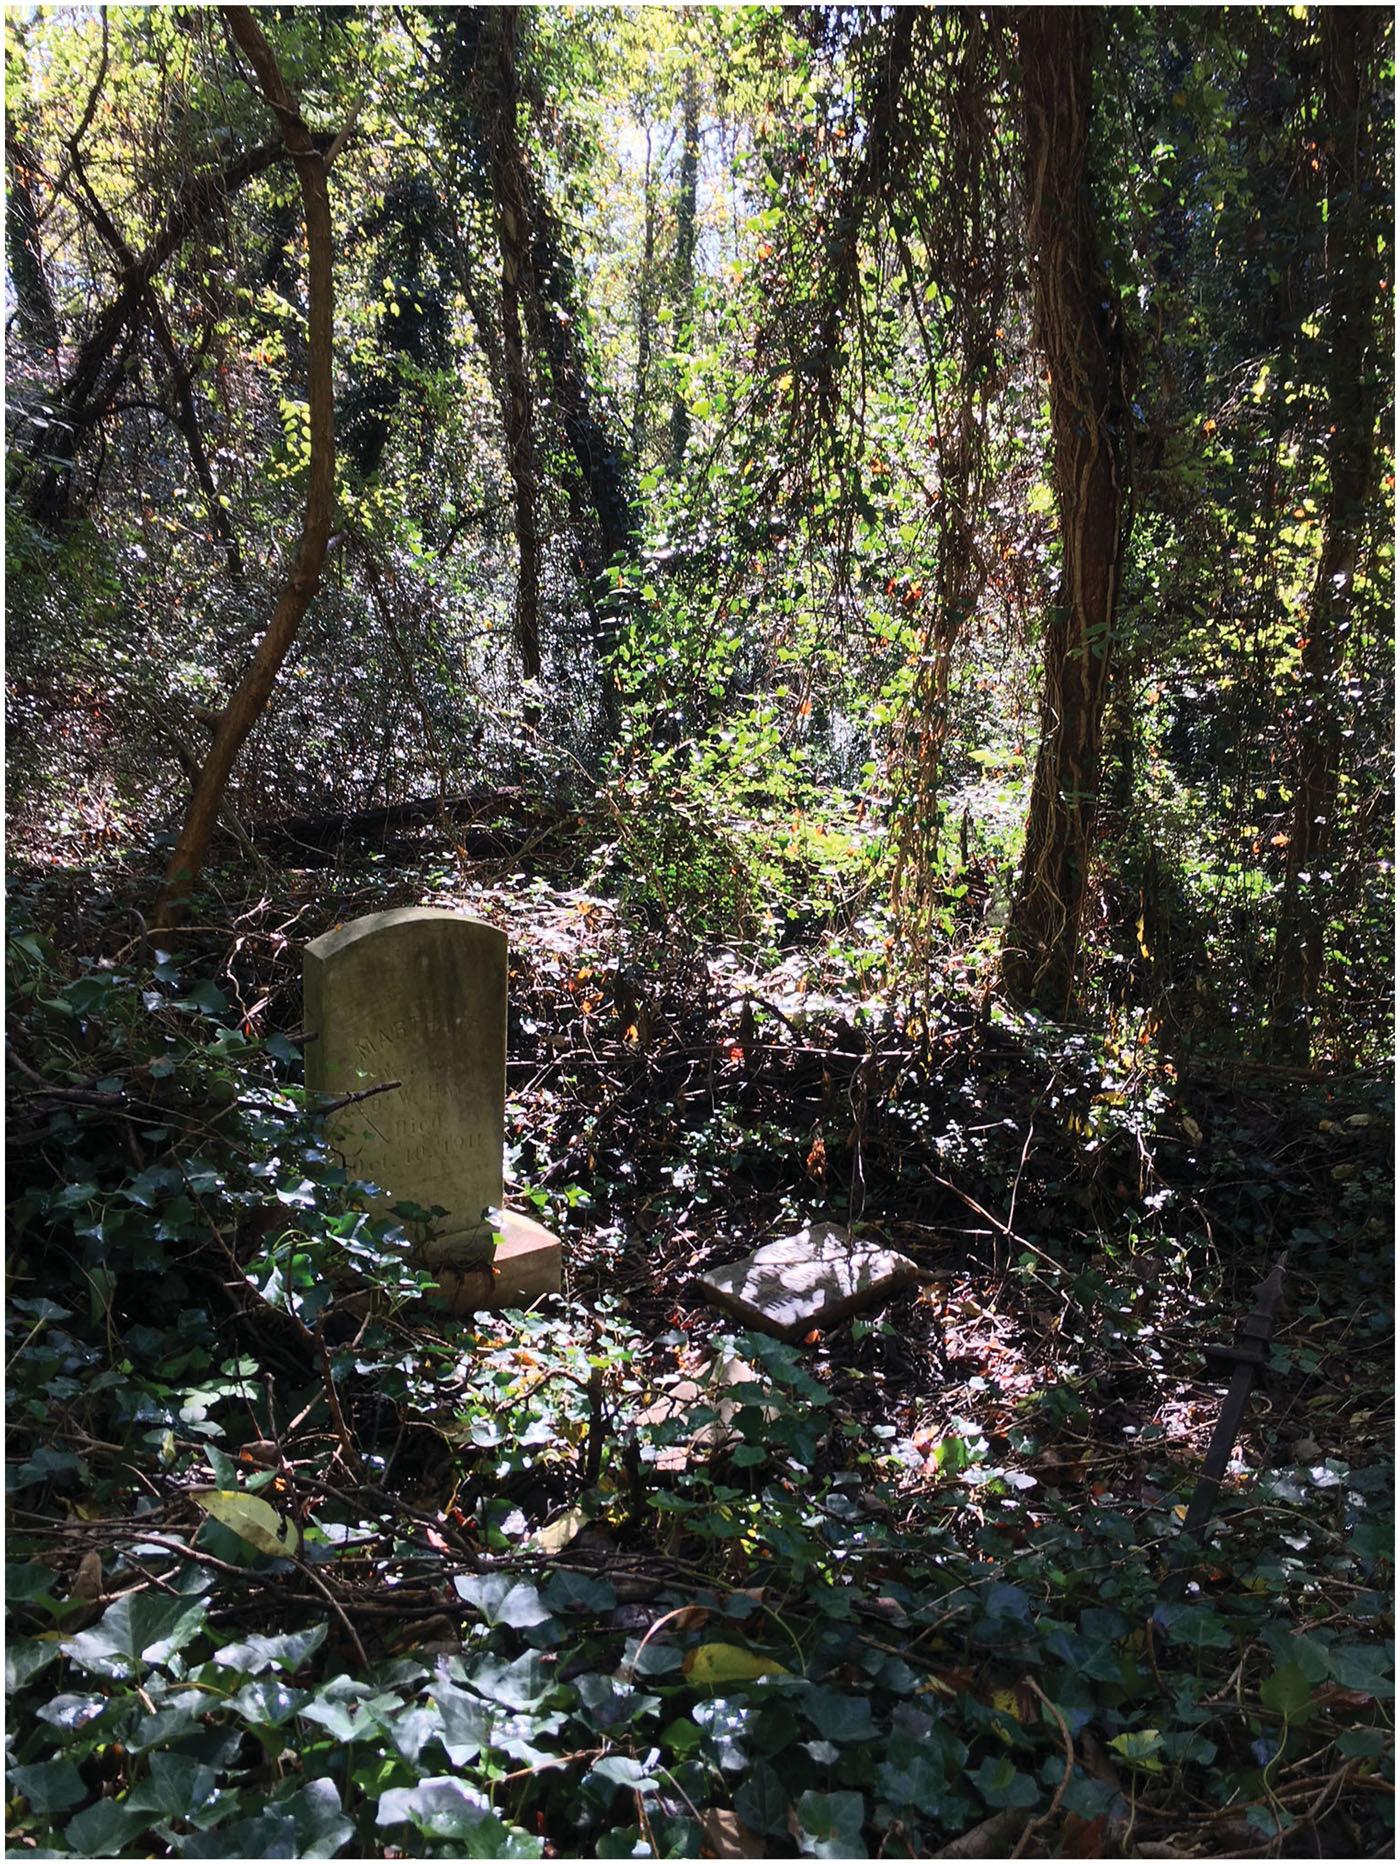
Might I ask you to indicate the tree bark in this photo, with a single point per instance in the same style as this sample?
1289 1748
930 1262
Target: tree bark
187 420
512 231
1079 338
33 292
646 308
253 691
1353 270
684 271
84 397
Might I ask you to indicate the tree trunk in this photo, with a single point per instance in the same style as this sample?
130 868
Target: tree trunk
247 703
83 398
1353 270
187 420
33 294
646 309
1082 349
684 275
512 231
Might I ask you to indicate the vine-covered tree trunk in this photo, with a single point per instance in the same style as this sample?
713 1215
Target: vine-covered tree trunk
513 235
33 293
254 689
1077 335
1349 39
83 398
684 270
646 306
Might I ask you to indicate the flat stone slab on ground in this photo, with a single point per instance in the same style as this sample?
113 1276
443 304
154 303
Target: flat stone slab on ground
816 1278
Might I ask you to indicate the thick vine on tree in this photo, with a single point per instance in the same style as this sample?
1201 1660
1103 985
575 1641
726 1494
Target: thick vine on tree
1350 38
255 688
1081 342
513 235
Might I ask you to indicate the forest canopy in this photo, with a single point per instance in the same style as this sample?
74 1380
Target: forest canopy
863 537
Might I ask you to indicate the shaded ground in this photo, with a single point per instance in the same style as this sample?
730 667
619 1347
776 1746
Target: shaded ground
1087 1215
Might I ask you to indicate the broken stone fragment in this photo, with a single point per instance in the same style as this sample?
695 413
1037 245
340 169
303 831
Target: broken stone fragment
817 1278
713 1387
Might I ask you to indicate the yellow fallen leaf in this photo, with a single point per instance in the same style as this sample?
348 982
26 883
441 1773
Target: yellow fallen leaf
556 1535
713 1664
252 1519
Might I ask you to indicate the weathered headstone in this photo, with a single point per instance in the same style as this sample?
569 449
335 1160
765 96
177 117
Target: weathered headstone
818 1277
418 996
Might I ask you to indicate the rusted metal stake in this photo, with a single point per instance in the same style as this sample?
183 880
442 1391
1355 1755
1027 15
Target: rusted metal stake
1245 1356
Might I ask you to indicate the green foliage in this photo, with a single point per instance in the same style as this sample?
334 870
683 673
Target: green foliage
373 1579
589 1644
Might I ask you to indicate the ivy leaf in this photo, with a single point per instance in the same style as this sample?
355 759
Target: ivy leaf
466 1721
270 1833
519 1685
259 1653
321 1824
205 996
761 1802
447 1808
502 1599
69 1713
625 1770
50 1786
267 1703
831 1825
1196 1626
1140 1747
24 1659
1288 1693
1002 1784
178 1786
104 1828
139 1629
838 1717
911 1775
1364 1667
578 1592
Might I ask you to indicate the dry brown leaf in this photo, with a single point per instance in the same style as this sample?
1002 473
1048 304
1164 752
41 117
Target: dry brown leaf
724 1835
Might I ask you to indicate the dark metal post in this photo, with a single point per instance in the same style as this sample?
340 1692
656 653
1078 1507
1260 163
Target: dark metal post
1246 1356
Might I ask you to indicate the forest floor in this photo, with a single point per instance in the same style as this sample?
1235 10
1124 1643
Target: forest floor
990 1470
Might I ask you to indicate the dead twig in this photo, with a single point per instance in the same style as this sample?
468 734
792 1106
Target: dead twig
1045 1817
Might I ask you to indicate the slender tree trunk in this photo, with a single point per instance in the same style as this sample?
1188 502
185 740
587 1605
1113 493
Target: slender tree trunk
1080 344
1349 36
513 235
84 396
187 420
646 309
684 270
33 293
253 691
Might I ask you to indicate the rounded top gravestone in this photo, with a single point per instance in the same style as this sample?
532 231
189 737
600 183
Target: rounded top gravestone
416 995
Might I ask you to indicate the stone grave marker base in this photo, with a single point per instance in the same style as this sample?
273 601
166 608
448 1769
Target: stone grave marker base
818 1277
526 1265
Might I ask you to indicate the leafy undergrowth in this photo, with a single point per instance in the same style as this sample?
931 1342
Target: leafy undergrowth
299 1565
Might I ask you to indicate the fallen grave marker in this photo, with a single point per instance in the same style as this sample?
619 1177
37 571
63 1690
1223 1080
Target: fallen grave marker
816 1278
